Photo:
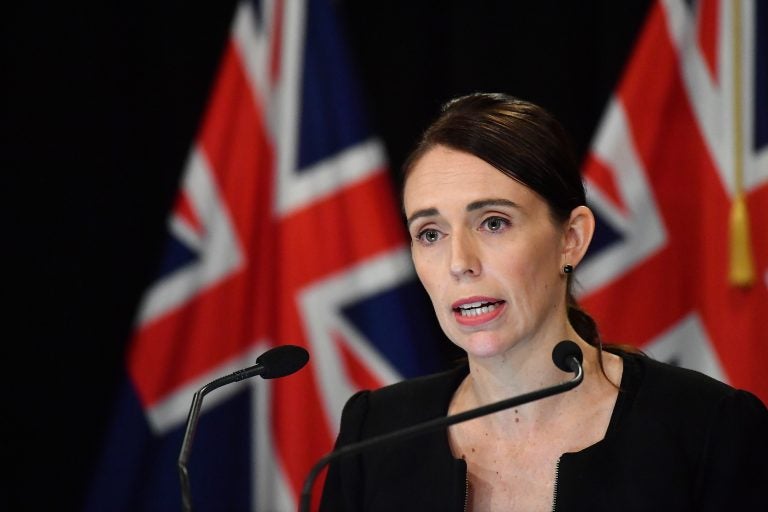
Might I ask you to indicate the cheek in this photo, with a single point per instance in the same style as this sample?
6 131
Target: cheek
424 266
541 255
426 274
429 275
540 279
526 272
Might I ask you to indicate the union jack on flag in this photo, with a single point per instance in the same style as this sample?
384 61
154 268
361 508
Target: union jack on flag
678 174
285 231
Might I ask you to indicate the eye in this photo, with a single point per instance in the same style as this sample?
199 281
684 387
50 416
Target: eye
495 224
428 236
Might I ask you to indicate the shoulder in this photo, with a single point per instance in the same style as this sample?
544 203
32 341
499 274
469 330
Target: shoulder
437 386
403 403
719 430
671 380
679 394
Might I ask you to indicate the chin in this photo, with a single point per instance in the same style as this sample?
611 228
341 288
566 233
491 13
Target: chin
483 344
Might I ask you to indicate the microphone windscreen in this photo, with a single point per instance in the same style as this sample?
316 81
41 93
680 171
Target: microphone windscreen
282 360
563 351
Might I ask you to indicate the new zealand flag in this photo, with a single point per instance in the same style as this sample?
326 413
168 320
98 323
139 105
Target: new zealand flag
285 231
678 173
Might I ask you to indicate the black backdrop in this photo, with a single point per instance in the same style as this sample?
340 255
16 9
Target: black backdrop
99 106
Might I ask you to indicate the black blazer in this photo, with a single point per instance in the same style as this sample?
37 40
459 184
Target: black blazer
677 440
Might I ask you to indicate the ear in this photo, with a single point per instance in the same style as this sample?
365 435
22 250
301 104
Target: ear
579 229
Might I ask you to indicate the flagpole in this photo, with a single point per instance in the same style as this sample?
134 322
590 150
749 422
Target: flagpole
742 267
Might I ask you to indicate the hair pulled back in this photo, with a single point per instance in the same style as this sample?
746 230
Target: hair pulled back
526 143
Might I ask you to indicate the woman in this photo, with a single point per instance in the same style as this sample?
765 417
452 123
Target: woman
496 210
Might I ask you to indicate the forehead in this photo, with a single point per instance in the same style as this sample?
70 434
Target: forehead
443 175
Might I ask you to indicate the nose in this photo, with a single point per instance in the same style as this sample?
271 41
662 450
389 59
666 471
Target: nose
464 257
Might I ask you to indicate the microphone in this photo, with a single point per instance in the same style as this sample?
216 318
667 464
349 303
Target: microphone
566 355
274 363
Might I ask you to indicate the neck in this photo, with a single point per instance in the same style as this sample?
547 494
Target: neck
522 370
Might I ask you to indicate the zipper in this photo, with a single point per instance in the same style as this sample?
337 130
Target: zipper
466 492
554 493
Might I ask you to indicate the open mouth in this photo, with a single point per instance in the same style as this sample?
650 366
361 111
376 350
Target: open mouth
473 309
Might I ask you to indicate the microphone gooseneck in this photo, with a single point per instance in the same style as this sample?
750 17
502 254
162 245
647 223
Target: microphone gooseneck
566 353
277 362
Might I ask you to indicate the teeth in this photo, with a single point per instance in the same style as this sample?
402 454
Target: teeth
470 306
476 309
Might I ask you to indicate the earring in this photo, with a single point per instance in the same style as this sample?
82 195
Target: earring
567 269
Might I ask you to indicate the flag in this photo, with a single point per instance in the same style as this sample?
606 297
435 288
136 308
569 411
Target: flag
285 230
678 176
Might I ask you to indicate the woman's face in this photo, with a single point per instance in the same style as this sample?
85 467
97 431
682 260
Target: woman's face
488 253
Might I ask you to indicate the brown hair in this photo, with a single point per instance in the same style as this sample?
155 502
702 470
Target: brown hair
526 143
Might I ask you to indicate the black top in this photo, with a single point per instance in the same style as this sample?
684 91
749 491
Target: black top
677 440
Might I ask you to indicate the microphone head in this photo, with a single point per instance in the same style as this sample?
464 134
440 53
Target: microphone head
563 352
281 361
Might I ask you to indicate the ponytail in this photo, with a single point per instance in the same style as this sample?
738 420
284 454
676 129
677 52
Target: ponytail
583 324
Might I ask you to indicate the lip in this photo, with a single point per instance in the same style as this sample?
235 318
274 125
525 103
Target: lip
492 308
473 299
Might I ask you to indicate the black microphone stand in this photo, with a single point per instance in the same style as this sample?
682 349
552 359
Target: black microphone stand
194 413
276 362
436 424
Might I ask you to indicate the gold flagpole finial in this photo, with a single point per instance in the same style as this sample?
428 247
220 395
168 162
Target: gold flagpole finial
742 267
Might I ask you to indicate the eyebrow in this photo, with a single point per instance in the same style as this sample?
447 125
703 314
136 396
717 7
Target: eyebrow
484 203
474 205
426 212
